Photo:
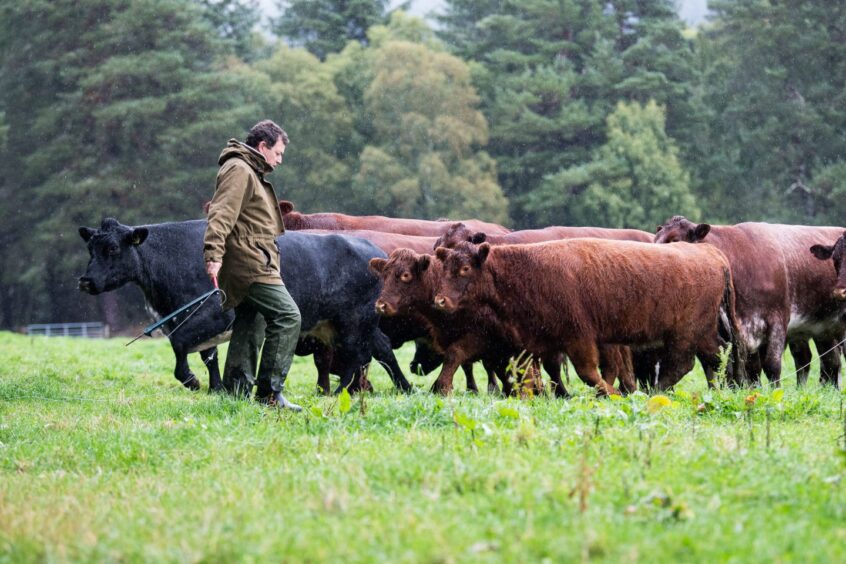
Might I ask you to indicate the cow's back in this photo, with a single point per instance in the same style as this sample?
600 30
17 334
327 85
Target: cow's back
388 242
621 292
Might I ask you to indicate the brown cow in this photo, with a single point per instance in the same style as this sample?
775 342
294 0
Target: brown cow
617 364
409 283
837 253
459 232
783 293
297 221
386 241
577 294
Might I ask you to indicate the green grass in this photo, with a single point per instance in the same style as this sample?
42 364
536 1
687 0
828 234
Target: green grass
104 456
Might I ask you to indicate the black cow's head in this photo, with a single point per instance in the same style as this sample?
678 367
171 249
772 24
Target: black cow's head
679 228
462 271
457 233
114 256
836 253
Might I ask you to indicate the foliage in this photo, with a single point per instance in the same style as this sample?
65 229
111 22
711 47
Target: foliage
90 430
635 179
325 26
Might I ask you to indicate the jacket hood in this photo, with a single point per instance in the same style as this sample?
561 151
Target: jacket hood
237 149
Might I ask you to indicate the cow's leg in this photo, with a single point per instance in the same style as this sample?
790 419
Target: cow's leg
383 353
553 368
209 357
645 371
182 371
615 363
467 367
494 374
771 357
801 352
830 361
584 355
677 361
443 384
752 376
323 356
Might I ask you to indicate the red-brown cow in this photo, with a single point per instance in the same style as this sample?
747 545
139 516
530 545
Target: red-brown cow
297 221
617 362
459 232
837 253
388 242
575 295
783 293
409 283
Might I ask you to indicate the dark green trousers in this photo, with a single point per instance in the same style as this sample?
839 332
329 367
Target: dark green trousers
268 314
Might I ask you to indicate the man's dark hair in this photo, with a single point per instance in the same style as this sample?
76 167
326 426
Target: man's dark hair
266 131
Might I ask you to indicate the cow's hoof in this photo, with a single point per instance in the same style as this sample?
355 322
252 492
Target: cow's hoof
440 390
192 384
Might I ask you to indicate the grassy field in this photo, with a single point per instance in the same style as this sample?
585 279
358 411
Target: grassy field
103 456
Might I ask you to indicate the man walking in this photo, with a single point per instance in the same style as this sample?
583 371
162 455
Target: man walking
240 249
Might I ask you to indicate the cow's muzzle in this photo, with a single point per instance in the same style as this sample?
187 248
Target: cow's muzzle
383 308
840 294
87 285
444 303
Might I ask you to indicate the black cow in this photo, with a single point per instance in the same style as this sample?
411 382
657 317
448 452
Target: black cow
327 276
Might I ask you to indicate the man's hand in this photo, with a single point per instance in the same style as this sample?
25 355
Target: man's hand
212 268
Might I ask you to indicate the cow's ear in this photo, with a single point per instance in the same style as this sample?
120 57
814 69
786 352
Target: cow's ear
442 253
86 233
138 235
377 265
701 231
423 262
206 207
484 249
822 252
478 238
285 206
658 229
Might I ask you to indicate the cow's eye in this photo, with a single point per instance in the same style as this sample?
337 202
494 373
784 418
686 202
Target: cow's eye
465 270
405 277
113 250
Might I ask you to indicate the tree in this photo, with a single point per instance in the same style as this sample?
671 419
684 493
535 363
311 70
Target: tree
549 73
107 116
775 77
634 179
325 26
235 21
421 149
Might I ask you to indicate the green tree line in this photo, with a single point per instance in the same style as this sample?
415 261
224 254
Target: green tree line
530 113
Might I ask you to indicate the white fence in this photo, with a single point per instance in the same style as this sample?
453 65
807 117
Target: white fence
94 330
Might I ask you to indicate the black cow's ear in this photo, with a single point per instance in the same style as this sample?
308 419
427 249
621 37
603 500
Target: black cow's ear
442 253
86 233
478 238
484 249
423 262
138 235
285 206
822 252
701 231
377 265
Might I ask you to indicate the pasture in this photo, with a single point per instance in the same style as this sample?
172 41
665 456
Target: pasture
104 456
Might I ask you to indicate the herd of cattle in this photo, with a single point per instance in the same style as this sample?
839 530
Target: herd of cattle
625 310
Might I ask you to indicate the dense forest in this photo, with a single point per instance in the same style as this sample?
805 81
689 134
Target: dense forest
530 113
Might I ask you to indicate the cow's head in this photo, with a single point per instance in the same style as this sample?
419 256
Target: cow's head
463 269
113 251
836 253
405 284
679 228
457 233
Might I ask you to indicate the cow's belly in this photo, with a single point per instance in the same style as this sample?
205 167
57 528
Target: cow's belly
806 326
213 342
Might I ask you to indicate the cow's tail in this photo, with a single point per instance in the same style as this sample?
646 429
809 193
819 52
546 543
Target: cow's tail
729 328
